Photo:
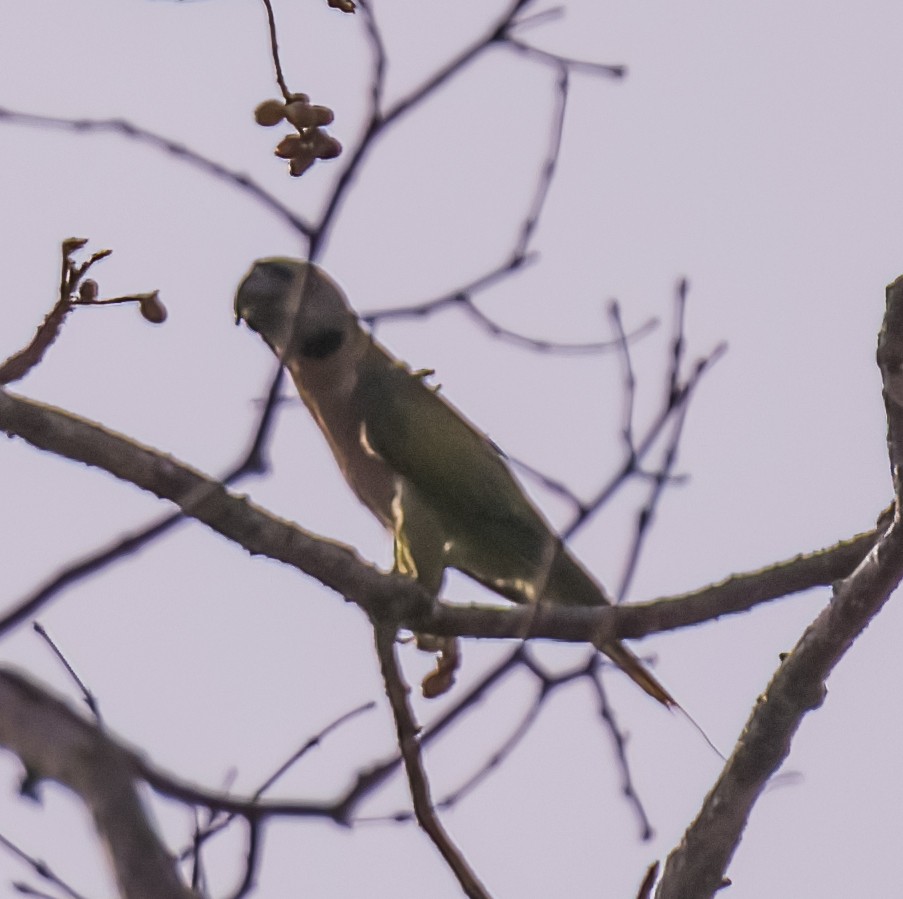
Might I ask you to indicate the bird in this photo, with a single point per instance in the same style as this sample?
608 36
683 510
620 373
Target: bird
433 479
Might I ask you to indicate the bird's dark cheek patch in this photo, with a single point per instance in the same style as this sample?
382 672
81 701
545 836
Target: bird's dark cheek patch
322 344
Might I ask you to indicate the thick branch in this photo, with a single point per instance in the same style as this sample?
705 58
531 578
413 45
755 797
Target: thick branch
56 744
205 499
341 569
697 866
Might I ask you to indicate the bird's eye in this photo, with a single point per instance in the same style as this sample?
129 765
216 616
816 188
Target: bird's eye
321 344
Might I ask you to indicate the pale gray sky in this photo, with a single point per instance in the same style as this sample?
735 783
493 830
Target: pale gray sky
754 149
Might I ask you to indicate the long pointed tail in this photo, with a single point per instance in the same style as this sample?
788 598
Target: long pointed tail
637 672
570 582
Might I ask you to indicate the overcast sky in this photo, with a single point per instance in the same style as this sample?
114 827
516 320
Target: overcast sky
753 148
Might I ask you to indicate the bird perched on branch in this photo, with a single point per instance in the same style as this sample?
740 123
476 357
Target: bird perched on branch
433 479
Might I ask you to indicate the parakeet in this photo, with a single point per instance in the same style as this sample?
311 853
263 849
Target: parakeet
431 477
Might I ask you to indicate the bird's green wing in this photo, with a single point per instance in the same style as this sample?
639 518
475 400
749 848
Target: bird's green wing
425 439
492 531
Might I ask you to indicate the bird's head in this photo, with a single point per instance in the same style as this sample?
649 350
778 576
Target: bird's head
296 308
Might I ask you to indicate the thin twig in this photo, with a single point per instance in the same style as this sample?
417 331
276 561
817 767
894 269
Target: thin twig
499 754
679 342
380 123
663 476
73 291
629 379
368 781
274 49
646 514
547 172
462 299
216 825
40 868
88 696
252 860
518 258
378 80
77 571
132 131
19 364
619 742
583 515
409 744
556 59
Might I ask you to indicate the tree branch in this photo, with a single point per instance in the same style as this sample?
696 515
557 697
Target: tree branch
206 499
340 568
697 866
54 743
129 130
407 733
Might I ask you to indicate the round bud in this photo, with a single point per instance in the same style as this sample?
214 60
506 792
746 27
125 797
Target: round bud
152 309
324 115
300 115
290 146
269 113
326 146
87 291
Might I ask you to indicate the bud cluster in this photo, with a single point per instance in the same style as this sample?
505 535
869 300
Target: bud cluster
311 142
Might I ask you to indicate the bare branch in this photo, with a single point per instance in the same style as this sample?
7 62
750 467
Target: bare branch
55 744
548 684
644 518
697 866
378 774
567 62
217 824
129 130
736 594
628 467
462 299
380 122
378 48
40 868
75 290
198 496
274 49
408 742
607 714
88 696
629 378
519 256
341 569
